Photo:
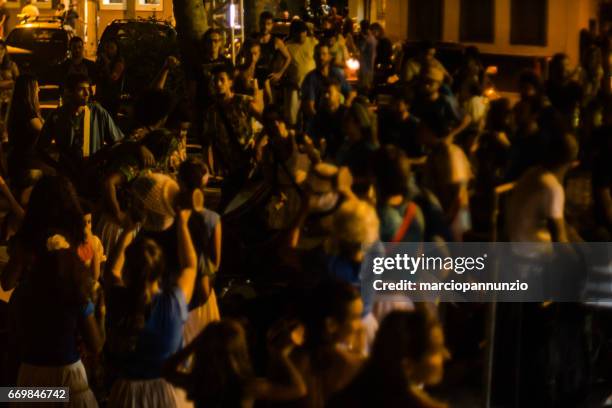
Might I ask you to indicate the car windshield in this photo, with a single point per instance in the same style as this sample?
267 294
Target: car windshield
130 32
48 41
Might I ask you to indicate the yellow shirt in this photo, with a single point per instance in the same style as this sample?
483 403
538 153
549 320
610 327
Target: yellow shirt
302 58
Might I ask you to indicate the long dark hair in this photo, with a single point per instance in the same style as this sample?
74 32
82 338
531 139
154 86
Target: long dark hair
118 56
25 99
331 299
402 335
53 209
60 277
222 366
144 264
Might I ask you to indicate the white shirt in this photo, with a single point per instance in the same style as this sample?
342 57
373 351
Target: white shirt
537 198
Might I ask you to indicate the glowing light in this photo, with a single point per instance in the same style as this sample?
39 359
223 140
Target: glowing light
232 11
352 64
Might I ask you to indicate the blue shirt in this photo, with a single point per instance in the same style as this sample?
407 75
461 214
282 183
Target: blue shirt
67 130
392 218
313 87
46 329
161 336
359 274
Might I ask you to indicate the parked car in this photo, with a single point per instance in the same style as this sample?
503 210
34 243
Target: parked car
144 45
38 46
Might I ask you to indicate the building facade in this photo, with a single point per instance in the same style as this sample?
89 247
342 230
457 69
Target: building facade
508 27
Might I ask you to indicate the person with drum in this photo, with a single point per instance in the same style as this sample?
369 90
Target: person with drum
228 139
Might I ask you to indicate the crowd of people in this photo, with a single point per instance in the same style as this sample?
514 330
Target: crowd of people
121 240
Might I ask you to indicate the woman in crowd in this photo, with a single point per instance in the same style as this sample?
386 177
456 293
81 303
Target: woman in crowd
8 69
222 375
332 351
121 170
111 72
407 355
51 311
145 322
51 307
206 231
8 74
24 125
53 208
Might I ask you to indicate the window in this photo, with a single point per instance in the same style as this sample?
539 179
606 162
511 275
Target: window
113 4
425 20
477 21
149 5
528 25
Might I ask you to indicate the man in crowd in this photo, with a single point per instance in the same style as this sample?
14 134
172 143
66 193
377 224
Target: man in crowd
327 122
411 68
366 41
535 209
200 82
313 87
439 107
77 63
383 64
447 173
80 128
71 16
301 48
227 137
271 49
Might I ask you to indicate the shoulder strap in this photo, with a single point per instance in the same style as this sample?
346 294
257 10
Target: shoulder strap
86 132
408 217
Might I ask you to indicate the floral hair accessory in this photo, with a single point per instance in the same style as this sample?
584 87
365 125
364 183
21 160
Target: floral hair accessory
57 242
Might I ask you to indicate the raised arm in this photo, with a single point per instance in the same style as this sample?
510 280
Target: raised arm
111 184
186 253
257 104
216 250
116 259
14 268
160 80
280 339
15 207
172 367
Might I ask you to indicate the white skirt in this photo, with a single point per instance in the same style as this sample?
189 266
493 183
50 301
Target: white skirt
156 393
200 317
72 376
